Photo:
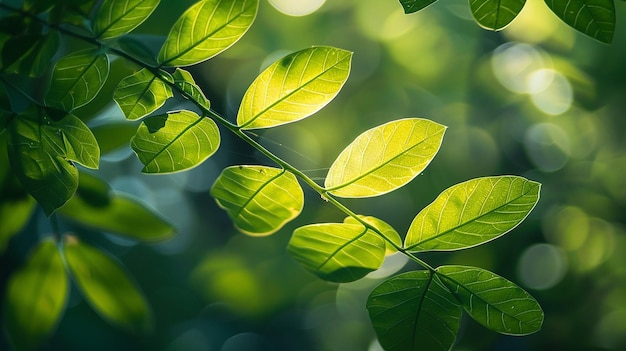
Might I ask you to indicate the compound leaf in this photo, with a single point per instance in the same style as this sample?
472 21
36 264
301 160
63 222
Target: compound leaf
206 29
493 301
35 297
338 252
77 79
294 87
411 6
184 80
472 213
495 14
384 158
107 286
260 200
414 311
175 141
118 17
595 18
142 93
96 206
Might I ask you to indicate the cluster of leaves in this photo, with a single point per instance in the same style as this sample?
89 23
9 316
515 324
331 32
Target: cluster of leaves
45 139
595 18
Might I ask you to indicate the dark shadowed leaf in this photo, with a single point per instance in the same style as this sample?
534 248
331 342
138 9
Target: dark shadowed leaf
35 297
595 18
113 135
185 82
495 14
472 213
260 200
493 301
411 6
118 17
337 252
413 311
107 286
142 93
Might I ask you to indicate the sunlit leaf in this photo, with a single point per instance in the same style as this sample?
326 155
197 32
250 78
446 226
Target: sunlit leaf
107 286
260 200
175 141
184 80
338 252
384 158
77 79
142 93
206 29
495 14
472 213
492 300
294 87
35 297
118 17
411 6
96 206
595 18
41 152
412 311
385 228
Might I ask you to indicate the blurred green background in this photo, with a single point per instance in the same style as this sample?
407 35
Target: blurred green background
536 99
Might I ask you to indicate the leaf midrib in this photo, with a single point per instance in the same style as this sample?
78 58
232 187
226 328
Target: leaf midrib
118 19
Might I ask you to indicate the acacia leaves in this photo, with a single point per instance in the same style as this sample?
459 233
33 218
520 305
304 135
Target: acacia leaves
294 87
495 14
259 200
141 93
384 158
118 17
596 18
206 29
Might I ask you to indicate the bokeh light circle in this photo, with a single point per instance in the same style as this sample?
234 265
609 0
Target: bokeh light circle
542 266
297 8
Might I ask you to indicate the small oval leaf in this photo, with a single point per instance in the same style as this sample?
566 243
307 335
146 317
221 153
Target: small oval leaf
141 93
107 287
413 311
384 158
35 297
493 301
174 142
385 228
118 17
294 87
260 200
495 14
337 252
94 205
206 29
595 18
472 213
77 79
184 80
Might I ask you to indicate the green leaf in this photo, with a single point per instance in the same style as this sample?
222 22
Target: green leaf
118 17
107 286
14 215
294 87
175 141
36 55
184 80
411 6
384 158
493 301
338 252
206 29
595 18
113 135
77 79
141 93
385 228
35 297
495 14
260 200
94 205
414 311
472 213
41 151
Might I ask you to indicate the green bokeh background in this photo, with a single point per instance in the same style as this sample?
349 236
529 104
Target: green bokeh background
212 288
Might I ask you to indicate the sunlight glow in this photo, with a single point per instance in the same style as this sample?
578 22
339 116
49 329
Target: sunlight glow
551 92
297 8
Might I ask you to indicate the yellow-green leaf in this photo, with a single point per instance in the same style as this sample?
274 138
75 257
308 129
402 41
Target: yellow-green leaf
141 93
174 142
384 158
118 17
107 286
35 297
260 200
206 29
472 213
294 87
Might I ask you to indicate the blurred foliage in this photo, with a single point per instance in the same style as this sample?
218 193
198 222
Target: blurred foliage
535 99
